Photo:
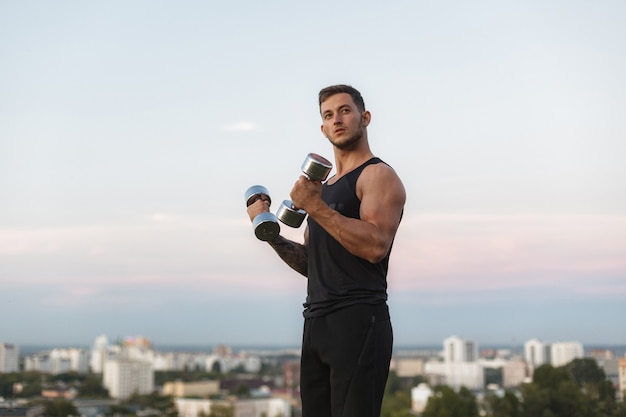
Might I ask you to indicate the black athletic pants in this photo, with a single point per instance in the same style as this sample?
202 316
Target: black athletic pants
345 362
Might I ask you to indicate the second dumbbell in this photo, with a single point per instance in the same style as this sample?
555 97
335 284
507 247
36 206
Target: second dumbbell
265 224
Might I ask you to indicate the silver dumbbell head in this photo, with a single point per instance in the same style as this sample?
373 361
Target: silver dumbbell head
255 192
266 226
290 215
316 167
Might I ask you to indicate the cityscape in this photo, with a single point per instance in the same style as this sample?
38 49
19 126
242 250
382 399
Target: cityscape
263 382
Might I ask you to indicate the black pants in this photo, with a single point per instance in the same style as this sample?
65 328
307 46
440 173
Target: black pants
345 362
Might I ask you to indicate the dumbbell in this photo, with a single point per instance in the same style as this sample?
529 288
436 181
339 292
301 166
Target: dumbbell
265 224
316 168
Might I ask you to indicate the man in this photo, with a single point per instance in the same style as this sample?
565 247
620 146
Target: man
352 222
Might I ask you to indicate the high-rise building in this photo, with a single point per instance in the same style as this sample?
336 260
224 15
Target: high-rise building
9 358
536 353
460 366
456 349
125 377
563 353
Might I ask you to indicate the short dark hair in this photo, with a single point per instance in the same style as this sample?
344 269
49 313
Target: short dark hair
342 88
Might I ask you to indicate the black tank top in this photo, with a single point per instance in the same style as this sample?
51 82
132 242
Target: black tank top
336 278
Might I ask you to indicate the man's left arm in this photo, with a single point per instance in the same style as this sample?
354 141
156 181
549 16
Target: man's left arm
382 198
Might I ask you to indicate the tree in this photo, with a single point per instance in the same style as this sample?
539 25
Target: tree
60 408
553 393
219 410
588 375
92 388
506 406
445 402
241 390
397 397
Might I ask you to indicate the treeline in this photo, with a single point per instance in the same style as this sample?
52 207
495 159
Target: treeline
578 389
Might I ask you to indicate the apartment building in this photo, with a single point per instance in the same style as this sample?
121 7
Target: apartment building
125 377
9 358
460 366
536 353
562 353
58 361
456 349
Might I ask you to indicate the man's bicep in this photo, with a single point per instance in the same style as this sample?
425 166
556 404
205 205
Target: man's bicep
382 201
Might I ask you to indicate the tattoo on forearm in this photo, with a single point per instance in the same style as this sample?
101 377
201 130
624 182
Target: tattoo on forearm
292 253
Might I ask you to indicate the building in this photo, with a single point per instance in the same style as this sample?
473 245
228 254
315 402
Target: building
460 366
9 358
99 354
419 398
125 377
182 389
407 367
58 361
256 407
621 374
562 353
514 372
536 353
457 350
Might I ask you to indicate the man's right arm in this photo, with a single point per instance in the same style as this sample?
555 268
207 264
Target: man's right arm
292 253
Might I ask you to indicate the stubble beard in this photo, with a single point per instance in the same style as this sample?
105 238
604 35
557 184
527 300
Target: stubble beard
351 142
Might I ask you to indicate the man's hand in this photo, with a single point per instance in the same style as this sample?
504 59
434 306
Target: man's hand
259 206
307 194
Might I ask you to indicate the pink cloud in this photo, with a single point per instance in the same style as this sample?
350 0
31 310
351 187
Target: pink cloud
479 251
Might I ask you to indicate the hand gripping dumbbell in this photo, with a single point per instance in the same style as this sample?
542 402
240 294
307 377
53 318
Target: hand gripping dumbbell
316 168
265 224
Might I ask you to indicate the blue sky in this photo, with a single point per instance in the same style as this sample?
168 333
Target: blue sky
129 132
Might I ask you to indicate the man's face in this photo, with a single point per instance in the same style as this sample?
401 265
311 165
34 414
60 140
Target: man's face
342 122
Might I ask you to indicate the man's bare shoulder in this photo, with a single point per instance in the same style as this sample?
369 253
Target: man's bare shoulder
379 178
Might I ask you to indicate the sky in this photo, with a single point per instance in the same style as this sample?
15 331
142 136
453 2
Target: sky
129 132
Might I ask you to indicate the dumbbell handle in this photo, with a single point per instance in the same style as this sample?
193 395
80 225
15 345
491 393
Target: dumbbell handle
316 168
265 224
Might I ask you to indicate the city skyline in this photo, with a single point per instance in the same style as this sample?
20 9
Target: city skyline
129 133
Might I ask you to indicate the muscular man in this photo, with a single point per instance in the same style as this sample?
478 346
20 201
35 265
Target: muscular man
352 222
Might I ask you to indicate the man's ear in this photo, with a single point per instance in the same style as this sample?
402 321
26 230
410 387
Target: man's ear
367 118
323 131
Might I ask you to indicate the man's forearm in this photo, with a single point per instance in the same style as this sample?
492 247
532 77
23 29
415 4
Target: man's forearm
293 254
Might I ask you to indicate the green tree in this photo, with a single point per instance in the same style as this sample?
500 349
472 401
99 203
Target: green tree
506 406
397 397
553 393
588 375
445 402
92 388
241 391
219 410
397 404
60 408
154 400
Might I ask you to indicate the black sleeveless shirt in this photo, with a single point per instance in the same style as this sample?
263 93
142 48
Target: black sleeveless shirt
336 278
